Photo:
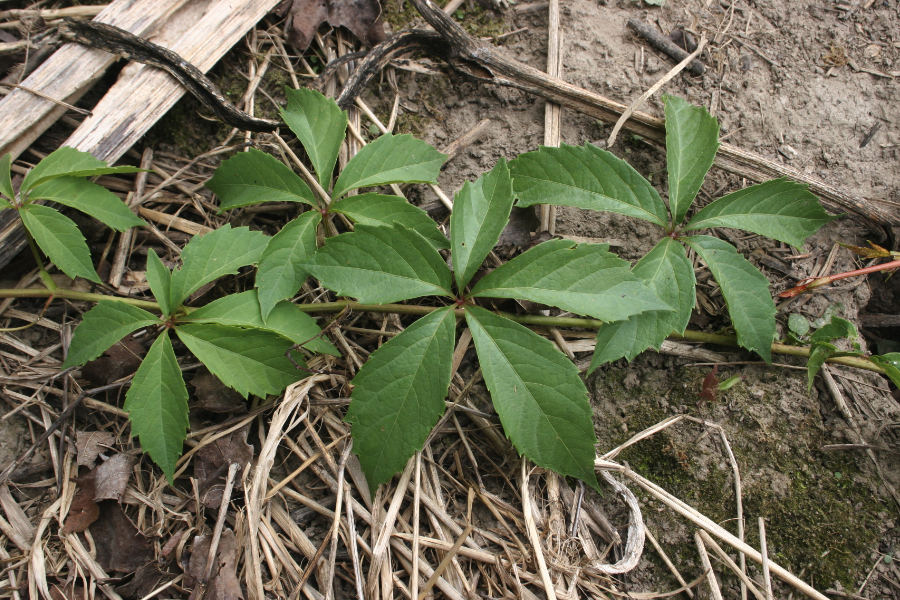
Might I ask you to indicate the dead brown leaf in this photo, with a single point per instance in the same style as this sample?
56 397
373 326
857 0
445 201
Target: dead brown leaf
121 360
146 579
223 583
215 396
84 510
120 546
361 17
212 463
112 477
90 444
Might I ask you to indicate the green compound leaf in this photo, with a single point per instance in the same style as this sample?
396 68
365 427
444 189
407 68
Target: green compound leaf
480 213
320 125
59 238
103 326
585 279
819 352
836 329
798 324
279 275
692 140
71 162
6 187
746 293
390 159
379 210
398 395
779 209
220 252
891 364
538 394
157 405
667 271
285 319
585 177
249 360
4 204
90 199
379 265
254 177
160 279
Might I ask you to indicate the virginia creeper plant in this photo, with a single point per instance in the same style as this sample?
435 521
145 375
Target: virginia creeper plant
391 254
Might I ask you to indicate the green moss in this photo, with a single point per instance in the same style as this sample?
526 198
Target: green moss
822 527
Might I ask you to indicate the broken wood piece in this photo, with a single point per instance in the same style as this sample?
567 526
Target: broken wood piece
140 97
664 45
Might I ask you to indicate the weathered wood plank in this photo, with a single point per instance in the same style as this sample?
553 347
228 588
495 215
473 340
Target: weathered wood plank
70 72
143 95
202 32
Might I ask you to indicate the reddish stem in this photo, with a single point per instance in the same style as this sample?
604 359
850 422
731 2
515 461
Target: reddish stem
820 281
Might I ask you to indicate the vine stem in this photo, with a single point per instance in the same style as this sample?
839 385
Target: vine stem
404 309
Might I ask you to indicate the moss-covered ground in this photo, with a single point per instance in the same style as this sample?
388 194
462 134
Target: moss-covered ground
821 516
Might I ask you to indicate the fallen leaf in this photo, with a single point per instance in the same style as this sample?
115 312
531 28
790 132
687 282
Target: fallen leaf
112 477
223 583
146 579
361 17
120 546
90 444
121 360
83 510
210 460
213 395
710 385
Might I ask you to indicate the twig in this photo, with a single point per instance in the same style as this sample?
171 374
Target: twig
764 554
672 568
220 521
665 45
740 572
533 536
643 98
707 568
446 563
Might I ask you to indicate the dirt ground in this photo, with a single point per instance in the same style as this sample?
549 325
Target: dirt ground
800 83
794 82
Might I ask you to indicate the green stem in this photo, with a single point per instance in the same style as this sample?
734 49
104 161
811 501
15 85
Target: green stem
42 272
75 295
404 309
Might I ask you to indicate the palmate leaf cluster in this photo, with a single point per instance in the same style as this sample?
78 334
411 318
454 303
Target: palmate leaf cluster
61 178
391 254
591 178
228 335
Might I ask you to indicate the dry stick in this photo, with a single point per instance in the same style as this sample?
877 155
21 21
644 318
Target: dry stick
123 250
220 521
764 553
336 527
748 583
384 537
446 563
664 44
643 98
533 536
707 568
414 576
354 552
552 109
710 526
668 562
